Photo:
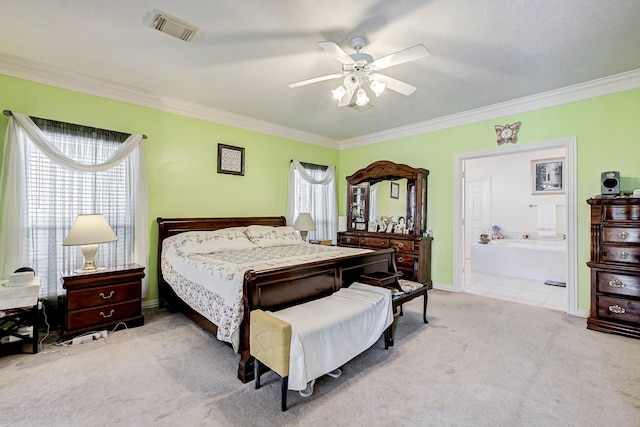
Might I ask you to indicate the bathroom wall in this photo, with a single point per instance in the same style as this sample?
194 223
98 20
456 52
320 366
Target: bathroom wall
513 207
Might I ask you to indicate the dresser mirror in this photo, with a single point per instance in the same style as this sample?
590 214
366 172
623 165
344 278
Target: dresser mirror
387 197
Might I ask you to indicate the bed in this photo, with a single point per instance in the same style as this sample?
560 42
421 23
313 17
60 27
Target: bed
188 283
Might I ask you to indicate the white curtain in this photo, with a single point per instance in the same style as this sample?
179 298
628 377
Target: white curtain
314 192
13 189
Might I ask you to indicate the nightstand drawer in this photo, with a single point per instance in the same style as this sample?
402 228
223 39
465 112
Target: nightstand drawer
103 295
621 254
79 319
621 284
618 309
620 234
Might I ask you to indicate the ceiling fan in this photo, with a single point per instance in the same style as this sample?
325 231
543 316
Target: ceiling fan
359 69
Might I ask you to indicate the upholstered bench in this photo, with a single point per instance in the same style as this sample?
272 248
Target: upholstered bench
308 340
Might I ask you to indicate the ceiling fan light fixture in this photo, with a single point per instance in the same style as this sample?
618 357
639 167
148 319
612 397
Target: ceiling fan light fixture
339 92
361 98
351 82
377 87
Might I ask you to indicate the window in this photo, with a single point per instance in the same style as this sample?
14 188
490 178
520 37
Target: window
55 197
41 197
312 189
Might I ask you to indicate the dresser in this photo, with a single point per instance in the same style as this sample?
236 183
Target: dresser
615 266
409 187
101 300
413 258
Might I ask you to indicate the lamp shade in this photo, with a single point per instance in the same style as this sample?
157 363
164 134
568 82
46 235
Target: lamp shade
304 222
88 230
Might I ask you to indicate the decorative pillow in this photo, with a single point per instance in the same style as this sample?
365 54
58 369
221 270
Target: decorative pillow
205 242
265 236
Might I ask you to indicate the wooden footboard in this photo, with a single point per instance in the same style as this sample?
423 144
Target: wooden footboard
270 289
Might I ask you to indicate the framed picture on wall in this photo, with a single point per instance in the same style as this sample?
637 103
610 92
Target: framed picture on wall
547 176
395 190
230 159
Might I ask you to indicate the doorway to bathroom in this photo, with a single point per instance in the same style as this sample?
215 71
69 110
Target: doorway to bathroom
530 257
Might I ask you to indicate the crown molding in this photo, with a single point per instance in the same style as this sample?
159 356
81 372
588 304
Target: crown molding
599 87
34 71
37 72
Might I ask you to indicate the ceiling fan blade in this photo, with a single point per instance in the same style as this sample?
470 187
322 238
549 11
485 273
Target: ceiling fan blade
400 57
337 52
316 79
393 84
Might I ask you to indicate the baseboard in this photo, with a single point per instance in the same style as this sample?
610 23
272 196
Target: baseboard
150 303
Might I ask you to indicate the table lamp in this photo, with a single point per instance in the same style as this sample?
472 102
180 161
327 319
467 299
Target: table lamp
87 232
304 223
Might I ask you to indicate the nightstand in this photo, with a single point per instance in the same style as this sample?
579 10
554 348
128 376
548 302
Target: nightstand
101 300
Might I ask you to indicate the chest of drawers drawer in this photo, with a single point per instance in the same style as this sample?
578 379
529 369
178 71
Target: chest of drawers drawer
618 283
620 254
621 213
616 234
618 309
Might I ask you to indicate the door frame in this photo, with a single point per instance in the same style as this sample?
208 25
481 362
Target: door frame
569 144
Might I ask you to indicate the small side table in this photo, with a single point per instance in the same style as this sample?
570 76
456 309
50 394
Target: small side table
101 300
18 313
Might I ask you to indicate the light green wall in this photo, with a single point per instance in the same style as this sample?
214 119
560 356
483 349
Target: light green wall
181 159
607 130
180 154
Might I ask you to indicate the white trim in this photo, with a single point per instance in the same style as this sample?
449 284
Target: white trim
604 86
34 71
29 70
569 144
154 303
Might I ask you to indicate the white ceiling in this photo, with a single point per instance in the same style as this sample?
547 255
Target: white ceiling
482 52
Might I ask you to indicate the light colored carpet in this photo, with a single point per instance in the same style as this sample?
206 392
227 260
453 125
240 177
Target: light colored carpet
479 362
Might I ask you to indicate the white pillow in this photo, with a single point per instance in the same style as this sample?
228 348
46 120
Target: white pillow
265 236
205 242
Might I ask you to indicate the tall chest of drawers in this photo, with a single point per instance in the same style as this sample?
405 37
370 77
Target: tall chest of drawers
413 258
615 266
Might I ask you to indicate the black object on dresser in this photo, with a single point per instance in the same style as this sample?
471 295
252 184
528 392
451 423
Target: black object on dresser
615 266
101 300
413 256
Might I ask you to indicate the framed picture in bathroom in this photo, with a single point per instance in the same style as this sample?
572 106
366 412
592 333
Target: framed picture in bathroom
547 176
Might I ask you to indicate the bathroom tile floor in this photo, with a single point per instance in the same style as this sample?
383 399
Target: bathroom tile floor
531 292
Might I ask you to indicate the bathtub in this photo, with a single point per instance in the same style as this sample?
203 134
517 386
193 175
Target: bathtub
527 259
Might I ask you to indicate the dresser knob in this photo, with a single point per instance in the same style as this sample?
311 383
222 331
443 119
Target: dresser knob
106 316
348 240
107 297
382 243
400 245
616 283
623 255
400 259
623 235
616 309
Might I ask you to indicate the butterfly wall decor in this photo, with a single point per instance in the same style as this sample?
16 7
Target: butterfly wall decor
508 133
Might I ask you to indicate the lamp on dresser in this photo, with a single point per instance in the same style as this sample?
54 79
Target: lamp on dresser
304 223
88 231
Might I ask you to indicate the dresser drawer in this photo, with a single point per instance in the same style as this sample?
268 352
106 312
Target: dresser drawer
621 284
374 242
621 213
78 319
103 295
402 245
620 254
405 260
348 240
611 234
618 309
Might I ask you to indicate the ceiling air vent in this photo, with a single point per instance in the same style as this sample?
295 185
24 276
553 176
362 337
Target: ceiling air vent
173 26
